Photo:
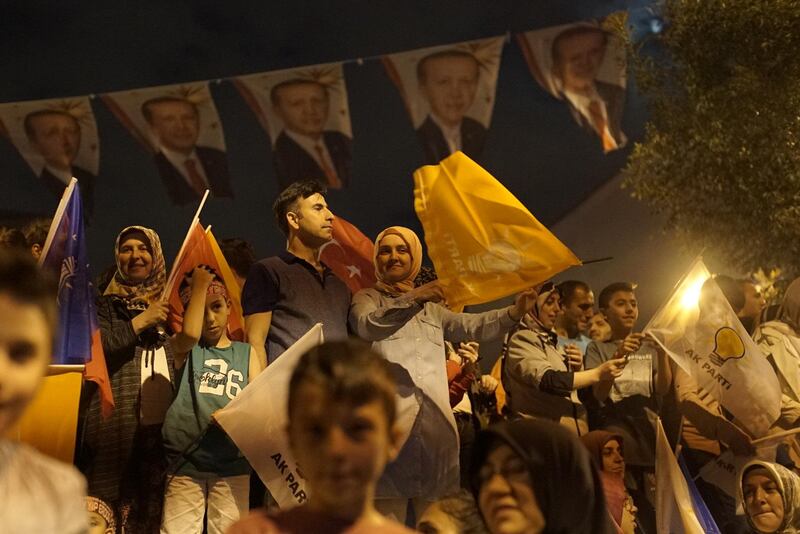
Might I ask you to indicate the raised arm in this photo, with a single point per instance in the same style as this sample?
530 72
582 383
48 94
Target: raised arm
374 320
187 338
489 325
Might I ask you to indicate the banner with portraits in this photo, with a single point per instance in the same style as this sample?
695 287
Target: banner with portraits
58 140
180 126
584 65
449 92
306 115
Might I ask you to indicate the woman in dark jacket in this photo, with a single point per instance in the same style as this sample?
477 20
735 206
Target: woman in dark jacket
122 456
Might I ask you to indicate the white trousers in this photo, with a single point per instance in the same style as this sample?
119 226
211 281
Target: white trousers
223 500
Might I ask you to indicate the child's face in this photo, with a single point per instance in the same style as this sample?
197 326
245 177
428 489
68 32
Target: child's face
341 449
98 525
622 311
215 320
24 354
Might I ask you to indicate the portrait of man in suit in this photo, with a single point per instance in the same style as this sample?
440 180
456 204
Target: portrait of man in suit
186 168
304 149
578 53
56 136
448 80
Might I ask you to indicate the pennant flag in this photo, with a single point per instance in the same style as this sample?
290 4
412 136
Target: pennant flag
180 126
483 242
58 140
256 421
593 86
349 255
449 92
678 510
307 116
698 328
65 255
198 250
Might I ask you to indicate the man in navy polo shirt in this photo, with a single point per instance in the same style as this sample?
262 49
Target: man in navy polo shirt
285 295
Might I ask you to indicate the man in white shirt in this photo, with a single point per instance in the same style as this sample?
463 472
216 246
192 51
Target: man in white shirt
578 53
186 168
304 149
448 80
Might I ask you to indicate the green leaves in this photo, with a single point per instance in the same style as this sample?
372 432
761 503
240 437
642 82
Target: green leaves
720 155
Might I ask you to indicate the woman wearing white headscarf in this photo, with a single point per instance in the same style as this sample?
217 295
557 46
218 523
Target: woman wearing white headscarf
779 340
770 495
409 326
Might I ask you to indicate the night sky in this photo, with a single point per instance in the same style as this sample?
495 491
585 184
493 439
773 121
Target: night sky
75 48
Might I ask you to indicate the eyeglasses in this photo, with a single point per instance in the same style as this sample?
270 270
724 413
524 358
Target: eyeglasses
513 470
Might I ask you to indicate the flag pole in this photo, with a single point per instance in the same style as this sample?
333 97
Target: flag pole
173 270
62 206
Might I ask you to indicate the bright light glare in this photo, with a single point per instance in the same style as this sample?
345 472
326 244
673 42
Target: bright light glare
691 293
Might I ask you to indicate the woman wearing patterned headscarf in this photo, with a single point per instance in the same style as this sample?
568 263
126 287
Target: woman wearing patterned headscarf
408 326
539 378
122 456
770 495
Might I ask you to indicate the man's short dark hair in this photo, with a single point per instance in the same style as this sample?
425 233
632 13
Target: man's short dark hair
147 113
36 232
28 122
12 239
733 291
239 254
23 280
567 290
452 53
574 31
348 371
605 295
274 95
288 197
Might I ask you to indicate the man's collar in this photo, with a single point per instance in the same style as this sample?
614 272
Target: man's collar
290 258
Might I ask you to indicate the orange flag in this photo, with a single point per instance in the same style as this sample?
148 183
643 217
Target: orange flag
483 242
198 251
349 255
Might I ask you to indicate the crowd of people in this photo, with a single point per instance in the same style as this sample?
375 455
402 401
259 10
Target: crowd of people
392 422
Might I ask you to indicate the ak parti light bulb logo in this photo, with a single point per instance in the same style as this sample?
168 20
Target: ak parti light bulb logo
728 345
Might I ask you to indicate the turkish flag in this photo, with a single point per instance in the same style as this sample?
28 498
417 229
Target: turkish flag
349 256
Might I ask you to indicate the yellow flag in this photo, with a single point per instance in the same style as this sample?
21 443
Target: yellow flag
50 422
483 242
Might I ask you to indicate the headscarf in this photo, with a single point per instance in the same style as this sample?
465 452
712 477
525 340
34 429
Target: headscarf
414 249
566 484
139 295
789 486
789 312
613 484
100 507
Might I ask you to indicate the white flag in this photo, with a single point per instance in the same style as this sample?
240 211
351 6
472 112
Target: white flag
675 511
723 471
256 421
700 331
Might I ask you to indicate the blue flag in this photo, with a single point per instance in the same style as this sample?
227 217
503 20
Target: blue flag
700 508
65 256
